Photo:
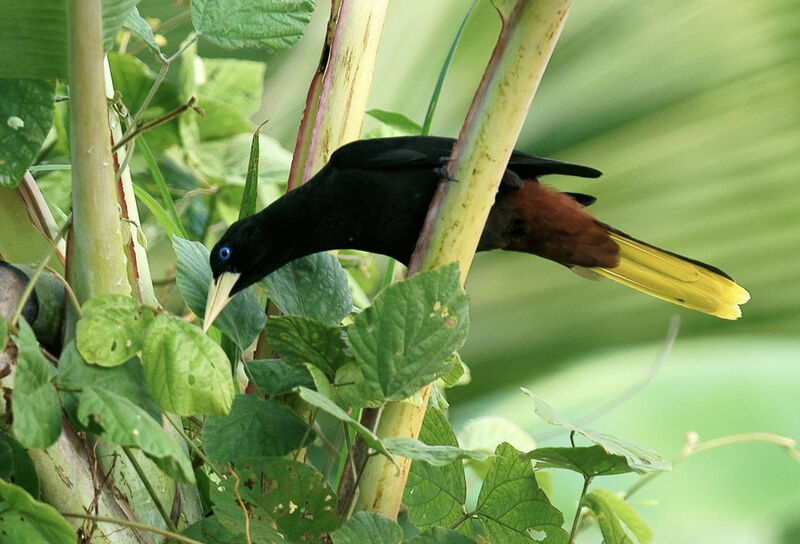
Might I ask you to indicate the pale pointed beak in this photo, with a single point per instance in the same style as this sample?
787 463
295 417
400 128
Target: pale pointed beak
219 292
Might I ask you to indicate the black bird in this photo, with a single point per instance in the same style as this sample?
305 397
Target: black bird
373 195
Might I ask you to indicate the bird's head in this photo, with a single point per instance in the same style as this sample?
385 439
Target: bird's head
234 267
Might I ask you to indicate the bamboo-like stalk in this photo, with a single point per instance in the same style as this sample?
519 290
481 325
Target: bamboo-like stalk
458 212
97 261
345 85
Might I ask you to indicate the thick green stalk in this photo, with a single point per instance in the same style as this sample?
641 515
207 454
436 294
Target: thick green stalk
459 210
97 262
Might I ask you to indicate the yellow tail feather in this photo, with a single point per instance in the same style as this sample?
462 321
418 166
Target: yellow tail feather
674 279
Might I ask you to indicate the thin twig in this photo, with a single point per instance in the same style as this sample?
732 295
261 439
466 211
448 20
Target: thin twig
150 490
243 507
38 271
144 127
132 524
586 482
70 293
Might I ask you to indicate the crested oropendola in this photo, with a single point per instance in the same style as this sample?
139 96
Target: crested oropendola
373 195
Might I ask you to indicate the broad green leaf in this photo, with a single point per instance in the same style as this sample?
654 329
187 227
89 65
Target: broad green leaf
220 119
487 432
368 527
37 411
254 428
274 377
16 465
241 320
640 458
299 499
314 286
439 535
604 502
235 82
589 461
606 518
435 495
229 514
134 79
138 25
228 159
402 342
24 519
511 503
127 424
115 13
22 28
301 340
126 380
26 115
270 24
186 371
210 531
433 455
353 391
399 122
331 408
112 329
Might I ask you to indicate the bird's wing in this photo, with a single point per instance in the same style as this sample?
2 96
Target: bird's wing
433 151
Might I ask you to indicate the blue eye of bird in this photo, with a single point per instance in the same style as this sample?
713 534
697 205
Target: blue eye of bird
224 253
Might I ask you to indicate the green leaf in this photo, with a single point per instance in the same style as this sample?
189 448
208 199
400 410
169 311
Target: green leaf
299 499
37 411
254 428
434 455
22 28
589 461
301 340
161 215
274 377
26 115
368 527
210 531
270 24
435 495
314 286
402 342
134 79
458 373
439 535
127 424
24 519
126 380
241 320
235 82
3 333
250 192
137 24
399 122
220 119
16 465
511 503
330 407
115 13
640 458
228 159
609 510
186 371
112 329
228 512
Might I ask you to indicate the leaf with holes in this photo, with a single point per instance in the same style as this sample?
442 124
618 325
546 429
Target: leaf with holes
254 428
186 371
439 535
405 339
299 499
112 329
26 115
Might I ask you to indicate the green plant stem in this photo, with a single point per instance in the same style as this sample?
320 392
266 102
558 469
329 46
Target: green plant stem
152 492
586 482
134 525
693 446
26 293
197 451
